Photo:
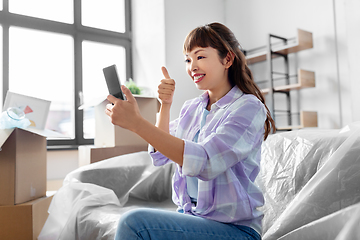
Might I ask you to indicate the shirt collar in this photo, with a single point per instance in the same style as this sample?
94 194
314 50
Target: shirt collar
226 100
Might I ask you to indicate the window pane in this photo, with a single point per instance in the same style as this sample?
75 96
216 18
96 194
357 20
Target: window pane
109 15
96 56
41 65
56 10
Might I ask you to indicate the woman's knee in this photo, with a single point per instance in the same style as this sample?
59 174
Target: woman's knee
134 219
130 218
130 223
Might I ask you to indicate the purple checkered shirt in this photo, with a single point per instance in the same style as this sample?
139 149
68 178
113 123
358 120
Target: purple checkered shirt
225 159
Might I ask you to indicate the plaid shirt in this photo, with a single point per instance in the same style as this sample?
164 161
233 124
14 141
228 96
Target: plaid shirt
225 159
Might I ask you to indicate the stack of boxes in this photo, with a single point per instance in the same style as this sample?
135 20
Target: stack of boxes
110 140
23 200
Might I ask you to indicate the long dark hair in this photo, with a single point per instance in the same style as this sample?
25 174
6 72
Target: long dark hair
220 37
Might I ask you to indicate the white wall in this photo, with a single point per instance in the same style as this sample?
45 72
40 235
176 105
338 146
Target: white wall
251 21
60 163
148 49
348 28
180 18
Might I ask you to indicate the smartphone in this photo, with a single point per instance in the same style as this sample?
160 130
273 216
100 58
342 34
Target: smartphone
113 81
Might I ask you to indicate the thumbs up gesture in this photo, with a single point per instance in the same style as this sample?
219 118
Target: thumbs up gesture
166 88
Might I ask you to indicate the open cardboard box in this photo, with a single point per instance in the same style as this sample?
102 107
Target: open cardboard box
24 221
92 154
23 155
110 140
108 135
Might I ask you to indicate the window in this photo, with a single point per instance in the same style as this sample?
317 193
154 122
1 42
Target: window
56 10
31 72
96 56
56 50
112 14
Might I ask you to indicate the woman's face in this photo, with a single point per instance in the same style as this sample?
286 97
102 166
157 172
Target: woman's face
206 69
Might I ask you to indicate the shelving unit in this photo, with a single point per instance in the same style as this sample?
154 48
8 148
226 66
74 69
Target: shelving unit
302 41
307 119
305 79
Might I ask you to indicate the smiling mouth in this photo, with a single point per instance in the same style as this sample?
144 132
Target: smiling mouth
198 78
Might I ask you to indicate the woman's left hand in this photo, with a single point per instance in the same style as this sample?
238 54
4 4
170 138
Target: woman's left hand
124 113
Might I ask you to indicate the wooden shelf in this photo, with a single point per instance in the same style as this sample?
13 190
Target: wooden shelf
306 79
307 119
303 41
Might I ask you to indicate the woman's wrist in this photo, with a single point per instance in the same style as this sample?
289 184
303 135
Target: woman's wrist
165 105
141 122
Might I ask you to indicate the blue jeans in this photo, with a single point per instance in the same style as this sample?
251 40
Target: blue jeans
158 224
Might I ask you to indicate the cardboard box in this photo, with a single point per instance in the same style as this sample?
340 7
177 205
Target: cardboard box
22 166
108 135
92 154
24 221
23 152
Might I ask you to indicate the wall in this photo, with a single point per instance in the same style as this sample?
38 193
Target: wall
148 35
348 22
60 163
332 96
180 18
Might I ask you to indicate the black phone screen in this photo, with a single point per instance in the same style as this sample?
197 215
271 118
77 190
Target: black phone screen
113 81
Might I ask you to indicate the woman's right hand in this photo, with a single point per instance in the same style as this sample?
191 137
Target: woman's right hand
166 88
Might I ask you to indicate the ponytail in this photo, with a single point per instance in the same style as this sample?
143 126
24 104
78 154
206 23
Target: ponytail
241 76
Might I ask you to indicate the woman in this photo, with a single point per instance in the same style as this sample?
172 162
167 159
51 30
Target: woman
215 142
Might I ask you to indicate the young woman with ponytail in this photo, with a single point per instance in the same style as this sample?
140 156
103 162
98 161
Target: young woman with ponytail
215 143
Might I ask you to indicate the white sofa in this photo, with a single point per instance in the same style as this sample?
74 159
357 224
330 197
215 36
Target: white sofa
310 179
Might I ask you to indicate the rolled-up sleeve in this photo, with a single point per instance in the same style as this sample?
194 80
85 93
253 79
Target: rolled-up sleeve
157 157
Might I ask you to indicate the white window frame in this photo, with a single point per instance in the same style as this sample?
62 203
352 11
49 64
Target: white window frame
79 33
